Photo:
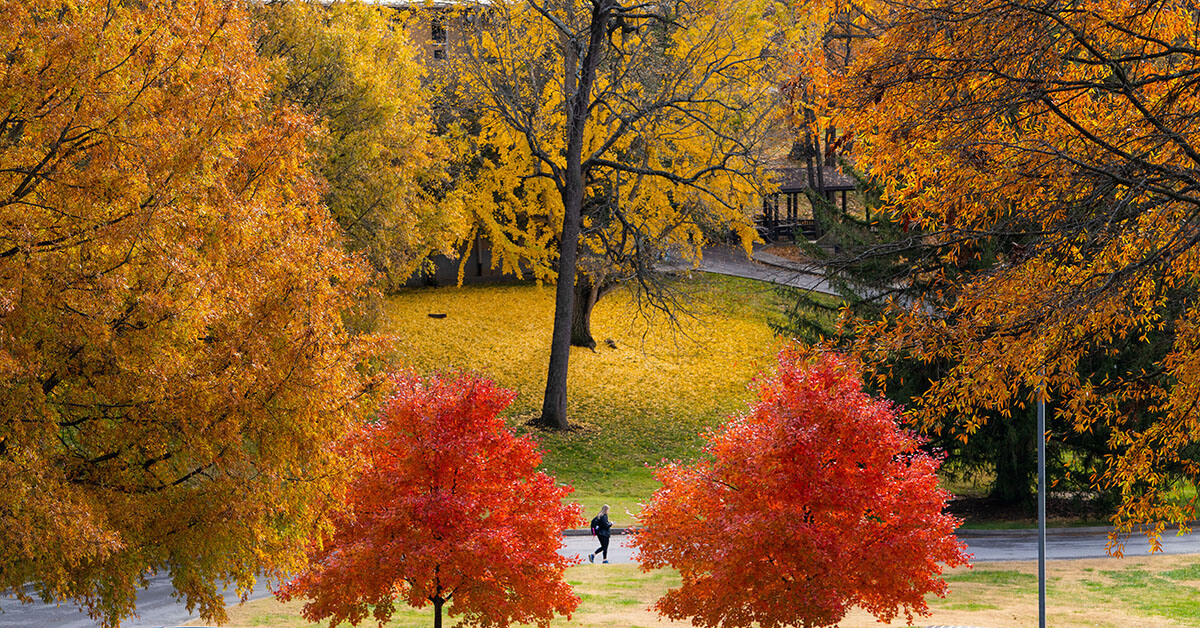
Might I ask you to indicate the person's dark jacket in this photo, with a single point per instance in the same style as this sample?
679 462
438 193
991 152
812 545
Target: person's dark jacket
601 525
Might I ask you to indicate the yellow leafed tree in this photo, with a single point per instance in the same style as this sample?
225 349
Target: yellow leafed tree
1069 132
354 67
612 136
173 365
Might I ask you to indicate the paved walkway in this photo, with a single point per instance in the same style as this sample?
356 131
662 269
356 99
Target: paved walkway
155 604
732 260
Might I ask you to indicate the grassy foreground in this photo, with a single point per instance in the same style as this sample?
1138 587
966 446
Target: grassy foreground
645 400
1144 591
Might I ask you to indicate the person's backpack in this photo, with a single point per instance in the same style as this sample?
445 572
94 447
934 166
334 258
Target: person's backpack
595 524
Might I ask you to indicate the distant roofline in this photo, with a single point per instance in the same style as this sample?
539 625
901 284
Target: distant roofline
795 179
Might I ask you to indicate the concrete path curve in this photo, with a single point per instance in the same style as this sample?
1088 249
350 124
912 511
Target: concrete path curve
727 260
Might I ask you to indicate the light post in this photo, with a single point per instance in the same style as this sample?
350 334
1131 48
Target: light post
1041 493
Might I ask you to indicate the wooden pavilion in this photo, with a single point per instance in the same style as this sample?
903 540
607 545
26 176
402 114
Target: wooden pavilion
787 214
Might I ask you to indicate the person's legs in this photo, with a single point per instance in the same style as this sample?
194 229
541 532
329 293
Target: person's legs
603 547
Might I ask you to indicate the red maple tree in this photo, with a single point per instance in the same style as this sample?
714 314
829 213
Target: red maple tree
813 502
447 507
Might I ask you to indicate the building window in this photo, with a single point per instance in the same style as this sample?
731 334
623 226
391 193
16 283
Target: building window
438 53
437 29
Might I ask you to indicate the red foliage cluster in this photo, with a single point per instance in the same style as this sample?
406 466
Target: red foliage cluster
812 503
448 506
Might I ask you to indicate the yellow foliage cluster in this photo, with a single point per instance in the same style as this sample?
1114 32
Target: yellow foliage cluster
173 362
348 65
671 141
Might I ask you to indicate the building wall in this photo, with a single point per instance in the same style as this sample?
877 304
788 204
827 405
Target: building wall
438 29
477 269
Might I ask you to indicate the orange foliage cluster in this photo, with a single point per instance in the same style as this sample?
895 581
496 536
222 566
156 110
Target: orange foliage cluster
173 362
810 504
447 506
1063 138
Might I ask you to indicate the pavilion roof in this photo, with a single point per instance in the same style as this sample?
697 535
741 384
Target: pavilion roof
795 179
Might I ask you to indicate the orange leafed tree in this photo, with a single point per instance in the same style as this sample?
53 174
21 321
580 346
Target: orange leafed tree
173 364
811 503
448 506
1061 139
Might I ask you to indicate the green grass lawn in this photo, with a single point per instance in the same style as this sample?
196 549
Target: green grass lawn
1145 591
644 401
617 595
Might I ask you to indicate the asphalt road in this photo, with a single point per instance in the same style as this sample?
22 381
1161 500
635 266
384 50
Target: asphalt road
158 608
1067 544
984 545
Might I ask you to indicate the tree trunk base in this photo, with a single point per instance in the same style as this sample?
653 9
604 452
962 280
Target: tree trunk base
540 423
587 293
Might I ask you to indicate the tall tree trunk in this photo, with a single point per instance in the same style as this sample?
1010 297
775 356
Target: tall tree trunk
554 404
1015 458
437 611
587 292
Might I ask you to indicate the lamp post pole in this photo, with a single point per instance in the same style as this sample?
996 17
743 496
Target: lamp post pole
1041 493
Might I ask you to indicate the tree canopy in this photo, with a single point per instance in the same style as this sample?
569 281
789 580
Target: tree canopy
612 134
354 67
173 362
811 503
1068 130
447 506
880 259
